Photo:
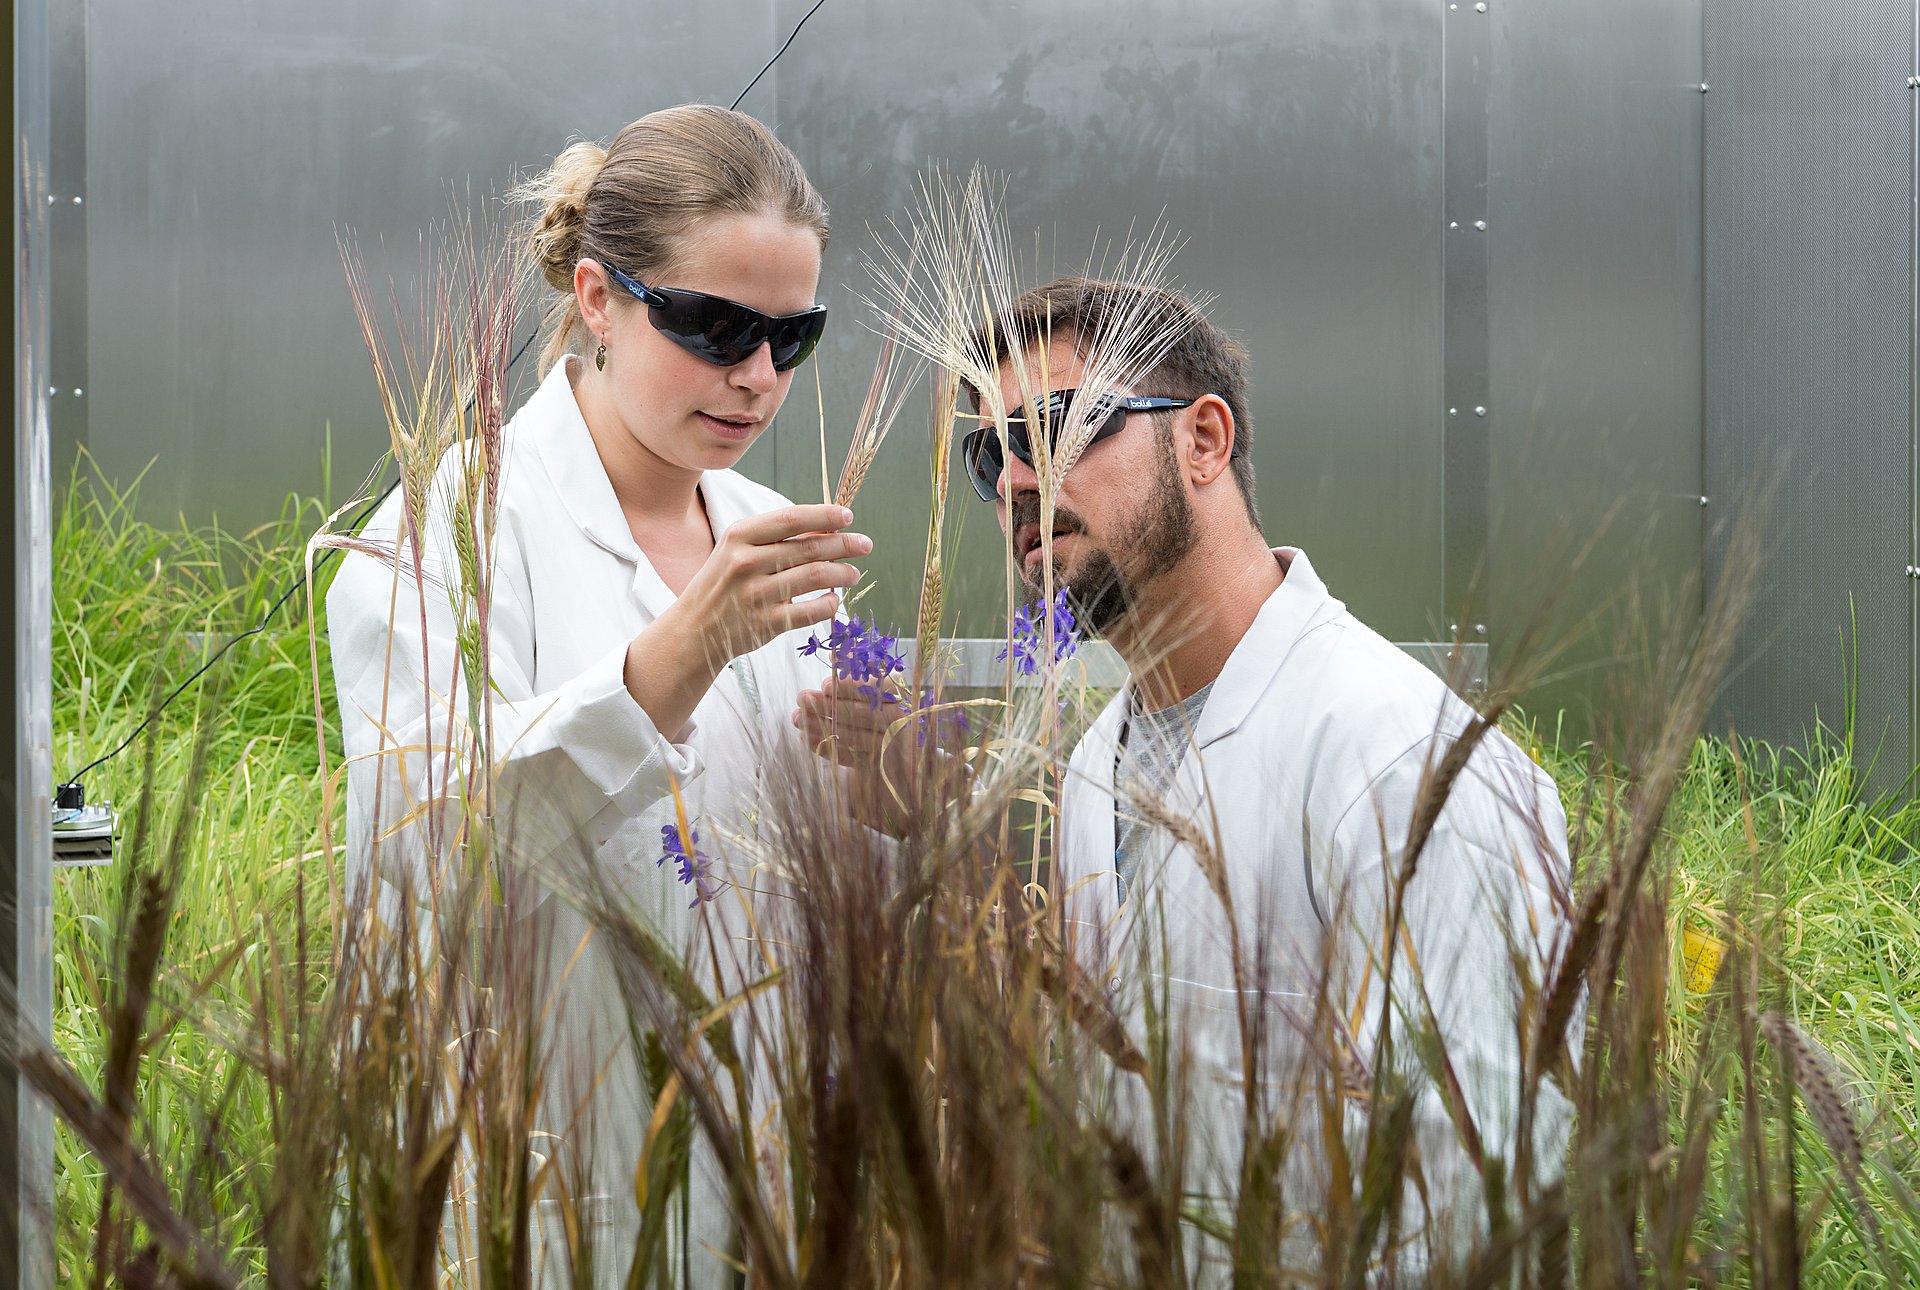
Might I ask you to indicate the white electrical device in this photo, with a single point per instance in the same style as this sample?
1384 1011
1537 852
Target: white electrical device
84 835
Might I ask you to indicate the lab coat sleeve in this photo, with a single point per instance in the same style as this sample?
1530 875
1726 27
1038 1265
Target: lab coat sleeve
570 762
1479 916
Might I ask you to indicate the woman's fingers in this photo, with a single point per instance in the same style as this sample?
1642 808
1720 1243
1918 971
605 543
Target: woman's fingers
816 547
809 578
788 522
805 613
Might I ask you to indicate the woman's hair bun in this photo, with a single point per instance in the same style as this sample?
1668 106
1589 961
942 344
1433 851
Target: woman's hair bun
560 198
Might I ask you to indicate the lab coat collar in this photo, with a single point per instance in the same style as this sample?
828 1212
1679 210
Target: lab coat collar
1297 603
579 477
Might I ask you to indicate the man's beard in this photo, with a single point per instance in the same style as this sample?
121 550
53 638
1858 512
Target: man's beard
1157 537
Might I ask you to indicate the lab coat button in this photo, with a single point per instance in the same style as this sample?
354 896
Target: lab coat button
1114 984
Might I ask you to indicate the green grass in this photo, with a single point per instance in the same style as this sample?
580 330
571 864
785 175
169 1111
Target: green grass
1822 880
1777 846
129 599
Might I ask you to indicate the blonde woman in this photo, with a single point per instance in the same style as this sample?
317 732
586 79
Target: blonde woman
647 601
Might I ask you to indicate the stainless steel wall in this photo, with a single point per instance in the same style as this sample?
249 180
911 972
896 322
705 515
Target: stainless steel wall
1594 210
226 144
1296 144
1810 260
1313 151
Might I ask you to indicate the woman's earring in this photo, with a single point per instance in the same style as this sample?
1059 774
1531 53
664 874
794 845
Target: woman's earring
600 358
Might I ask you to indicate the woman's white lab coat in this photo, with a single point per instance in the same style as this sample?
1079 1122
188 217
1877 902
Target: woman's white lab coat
582 774
1304 768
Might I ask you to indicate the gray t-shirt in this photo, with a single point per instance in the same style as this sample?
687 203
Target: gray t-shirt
1152 745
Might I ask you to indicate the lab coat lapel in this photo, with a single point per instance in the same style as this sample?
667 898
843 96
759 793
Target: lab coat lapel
723 509
579 477
1087 812
1251 671
1296 604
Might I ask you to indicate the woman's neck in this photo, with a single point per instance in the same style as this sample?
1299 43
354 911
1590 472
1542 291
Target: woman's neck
651 491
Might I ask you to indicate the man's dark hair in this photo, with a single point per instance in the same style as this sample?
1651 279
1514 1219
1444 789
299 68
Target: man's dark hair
1205 360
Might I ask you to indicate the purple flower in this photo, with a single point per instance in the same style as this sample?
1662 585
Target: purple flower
695 866
1027 639
954 723
860 653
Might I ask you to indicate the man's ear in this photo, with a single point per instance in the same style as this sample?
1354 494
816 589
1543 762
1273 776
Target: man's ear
590 288
1210 439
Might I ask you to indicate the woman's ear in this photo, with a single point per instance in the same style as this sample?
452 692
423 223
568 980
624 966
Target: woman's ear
1211 438
591 289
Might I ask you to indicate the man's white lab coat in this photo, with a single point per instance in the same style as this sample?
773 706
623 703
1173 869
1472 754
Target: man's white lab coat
581 771
1304 768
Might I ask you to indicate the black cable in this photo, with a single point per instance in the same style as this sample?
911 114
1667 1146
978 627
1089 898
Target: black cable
77 798
735 105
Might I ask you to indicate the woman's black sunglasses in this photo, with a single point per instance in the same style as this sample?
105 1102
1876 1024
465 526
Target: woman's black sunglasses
981 447
723 332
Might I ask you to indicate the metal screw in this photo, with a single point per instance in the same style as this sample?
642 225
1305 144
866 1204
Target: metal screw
1913 82
51 199
1453 412
1479 412
1481 628
76 201
1703 501
1480 8
1452 7
1454 223
1704 87
52 390
76 391
1912 572
1481 225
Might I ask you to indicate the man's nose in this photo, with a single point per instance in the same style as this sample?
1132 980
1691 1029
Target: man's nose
755 372
1016 478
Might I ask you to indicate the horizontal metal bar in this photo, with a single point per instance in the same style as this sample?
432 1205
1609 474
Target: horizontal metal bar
977 665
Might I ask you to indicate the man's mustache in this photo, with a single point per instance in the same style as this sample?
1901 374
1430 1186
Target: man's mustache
1026 510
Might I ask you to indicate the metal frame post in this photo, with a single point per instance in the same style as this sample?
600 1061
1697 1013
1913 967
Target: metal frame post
26 912
1465 337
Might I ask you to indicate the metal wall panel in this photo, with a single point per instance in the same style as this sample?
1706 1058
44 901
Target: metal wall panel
228 141
1296 144
1298 148
1302 146
1810 299
1594 212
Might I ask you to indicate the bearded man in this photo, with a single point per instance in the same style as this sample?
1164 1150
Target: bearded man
1245 823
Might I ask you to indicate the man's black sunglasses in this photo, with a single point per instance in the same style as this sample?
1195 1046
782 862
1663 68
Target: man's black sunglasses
722 331
981 447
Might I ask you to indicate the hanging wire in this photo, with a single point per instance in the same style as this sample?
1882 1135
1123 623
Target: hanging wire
71 794
735 105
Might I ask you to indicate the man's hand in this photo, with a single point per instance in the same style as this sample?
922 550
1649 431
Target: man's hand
895 760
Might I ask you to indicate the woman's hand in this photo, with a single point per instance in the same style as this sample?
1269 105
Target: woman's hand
742 598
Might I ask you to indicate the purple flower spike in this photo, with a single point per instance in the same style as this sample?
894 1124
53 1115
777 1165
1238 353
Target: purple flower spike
1027 639
860 653
867 655
694 866
952 725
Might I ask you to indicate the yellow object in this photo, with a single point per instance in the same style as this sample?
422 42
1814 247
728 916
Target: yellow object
1700 955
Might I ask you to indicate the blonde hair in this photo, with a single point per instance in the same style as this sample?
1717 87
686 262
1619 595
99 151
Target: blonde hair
631 203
